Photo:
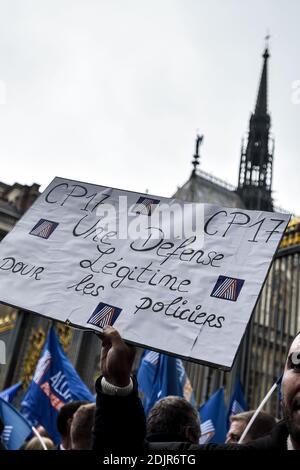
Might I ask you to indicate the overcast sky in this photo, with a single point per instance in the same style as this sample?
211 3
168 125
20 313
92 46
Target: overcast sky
113 91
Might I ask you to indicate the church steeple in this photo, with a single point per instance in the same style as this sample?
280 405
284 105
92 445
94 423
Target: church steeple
255 176
261 102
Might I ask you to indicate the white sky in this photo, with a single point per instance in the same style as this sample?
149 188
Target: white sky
113 91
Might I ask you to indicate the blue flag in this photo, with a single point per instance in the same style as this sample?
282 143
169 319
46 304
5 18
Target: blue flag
9 393
16 427
237 403
159 376
213 419
55 383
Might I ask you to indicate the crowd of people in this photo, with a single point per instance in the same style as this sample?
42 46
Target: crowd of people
117 420
172 423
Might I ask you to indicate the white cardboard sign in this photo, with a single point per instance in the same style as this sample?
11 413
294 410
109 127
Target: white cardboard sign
71 258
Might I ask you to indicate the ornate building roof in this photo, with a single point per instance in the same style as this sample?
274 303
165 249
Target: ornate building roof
206 188
291 236
203 187
14 201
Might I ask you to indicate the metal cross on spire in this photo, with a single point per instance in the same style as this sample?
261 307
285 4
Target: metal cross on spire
267 38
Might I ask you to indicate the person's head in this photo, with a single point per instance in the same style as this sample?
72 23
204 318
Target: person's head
81 427
35 444
64 420
42 431
290 388
262 425
174 416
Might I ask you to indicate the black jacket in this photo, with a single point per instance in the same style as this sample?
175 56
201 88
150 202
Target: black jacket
120 424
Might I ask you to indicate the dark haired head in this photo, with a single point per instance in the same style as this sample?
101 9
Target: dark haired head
65 415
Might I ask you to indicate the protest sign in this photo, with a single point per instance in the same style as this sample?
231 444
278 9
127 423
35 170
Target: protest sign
175 277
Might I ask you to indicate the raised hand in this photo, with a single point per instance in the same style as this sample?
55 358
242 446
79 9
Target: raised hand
116 358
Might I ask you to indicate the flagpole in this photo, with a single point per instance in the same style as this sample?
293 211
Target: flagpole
274 386
39 438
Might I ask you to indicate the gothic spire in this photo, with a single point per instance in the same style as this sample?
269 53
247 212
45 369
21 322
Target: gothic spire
261 107
255 176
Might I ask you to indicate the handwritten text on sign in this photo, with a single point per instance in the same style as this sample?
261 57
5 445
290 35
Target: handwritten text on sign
178 278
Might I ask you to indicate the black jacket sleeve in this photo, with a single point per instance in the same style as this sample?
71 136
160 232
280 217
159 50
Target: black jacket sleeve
120 422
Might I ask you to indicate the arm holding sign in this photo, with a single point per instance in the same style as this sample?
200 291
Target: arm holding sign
120 419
